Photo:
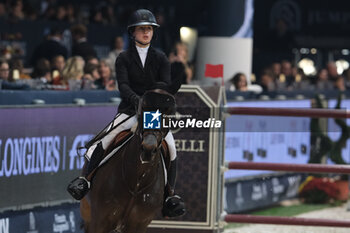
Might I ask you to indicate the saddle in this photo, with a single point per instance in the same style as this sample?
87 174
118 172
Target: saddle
120 139
124 135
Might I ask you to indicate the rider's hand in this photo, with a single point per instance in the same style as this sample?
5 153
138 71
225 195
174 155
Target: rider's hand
135 100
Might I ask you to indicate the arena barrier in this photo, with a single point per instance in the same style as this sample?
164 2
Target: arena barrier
309 168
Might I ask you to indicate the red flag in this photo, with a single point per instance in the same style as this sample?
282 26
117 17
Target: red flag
214 71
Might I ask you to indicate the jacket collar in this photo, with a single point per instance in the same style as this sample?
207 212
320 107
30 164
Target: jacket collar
136 56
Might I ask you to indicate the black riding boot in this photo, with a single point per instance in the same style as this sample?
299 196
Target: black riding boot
173 205
79 187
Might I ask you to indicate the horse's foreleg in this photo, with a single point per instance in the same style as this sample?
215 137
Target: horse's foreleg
85 210
86 228
118 229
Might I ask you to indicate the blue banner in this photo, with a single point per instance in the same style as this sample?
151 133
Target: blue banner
59 219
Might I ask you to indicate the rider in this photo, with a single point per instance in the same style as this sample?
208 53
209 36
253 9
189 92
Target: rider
139 68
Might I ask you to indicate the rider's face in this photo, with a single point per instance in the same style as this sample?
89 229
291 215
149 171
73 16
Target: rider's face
143 34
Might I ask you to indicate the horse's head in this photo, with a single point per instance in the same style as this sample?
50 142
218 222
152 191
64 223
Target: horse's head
161 103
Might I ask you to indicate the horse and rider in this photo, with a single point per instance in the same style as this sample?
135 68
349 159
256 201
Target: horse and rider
138 69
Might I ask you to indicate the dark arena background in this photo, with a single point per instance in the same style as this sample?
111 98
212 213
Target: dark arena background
239 60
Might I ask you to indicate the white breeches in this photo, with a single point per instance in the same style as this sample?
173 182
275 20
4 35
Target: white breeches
107 139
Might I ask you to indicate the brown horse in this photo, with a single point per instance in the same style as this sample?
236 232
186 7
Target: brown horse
127 191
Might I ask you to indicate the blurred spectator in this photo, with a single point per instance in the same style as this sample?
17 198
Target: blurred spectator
61 13
49 12
42 71
346 75
96 16
102 14
51 47
81 47
16 11
287 74
5 76
106 80
4 70
339 83
108 14
332 71
30 12
17 70
92 60
57 66
276 70
118 47
267 81
301 80
70 13
58 63
238 82
180 54
3 14
91 74
322 80
73 73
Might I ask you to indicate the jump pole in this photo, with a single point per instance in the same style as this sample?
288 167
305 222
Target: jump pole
308 168
291 112
242 218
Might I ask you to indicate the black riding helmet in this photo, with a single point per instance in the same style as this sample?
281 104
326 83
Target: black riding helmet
141 17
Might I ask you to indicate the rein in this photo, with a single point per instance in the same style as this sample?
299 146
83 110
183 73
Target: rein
134 193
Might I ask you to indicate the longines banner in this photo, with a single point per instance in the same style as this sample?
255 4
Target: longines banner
38 150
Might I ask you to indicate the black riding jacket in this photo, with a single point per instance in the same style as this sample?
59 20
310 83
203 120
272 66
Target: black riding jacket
134 79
